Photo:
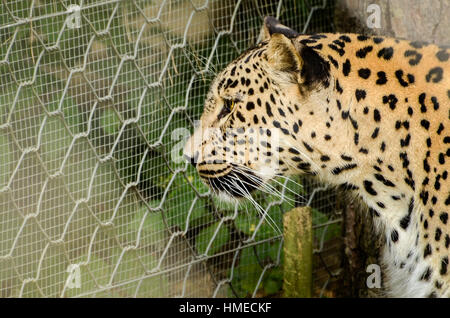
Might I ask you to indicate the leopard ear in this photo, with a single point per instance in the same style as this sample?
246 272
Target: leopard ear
298 63
273 26
283 55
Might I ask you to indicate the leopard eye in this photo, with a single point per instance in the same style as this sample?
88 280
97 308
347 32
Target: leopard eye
228 106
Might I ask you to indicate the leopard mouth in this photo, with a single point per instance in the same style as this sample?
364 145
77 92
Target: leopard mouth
236 184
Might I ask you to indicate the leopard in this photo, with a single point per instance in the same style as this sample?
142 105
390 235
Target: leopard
369 113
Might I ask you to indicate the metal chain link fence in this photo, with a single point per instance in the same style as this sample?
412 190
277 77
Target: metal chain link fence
91 203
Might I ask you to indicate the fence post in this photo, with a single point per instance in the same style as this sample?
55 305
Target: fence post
298 248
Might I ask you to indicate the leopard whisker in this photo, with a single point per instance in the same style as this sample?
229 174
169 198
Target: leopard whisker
261 211
266 188
260 174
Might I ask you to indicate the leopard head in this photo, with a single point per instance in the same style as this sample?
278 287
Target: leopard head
249 130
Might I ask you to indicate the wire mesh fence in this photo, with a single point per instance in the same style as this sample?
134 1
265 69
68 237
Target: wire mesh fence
91 204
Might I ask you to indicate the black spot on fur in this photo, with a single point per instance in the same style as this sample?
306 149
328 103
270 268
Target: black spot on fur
376 115
377 40
417 44
360 94
308 147
399 75
417 57
364 73
386 53
444 217
425 124
373 212
364 151
304 166
443 55
435 74
381 205
427 251
339 50
444 264
394 236
391 100
368 186
354 122
435 103
426 274
361 53
375 133
338 170
345 38
404 158
308 41
381 78
404 222
338 87
405 142
424 196
346 67
240 116
250 106
383 180
234 84
284 131
410 111
333 61
423 108
269 110
362 37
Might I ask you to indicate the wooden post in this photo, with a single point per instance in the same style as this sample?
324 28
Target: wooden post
298 248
